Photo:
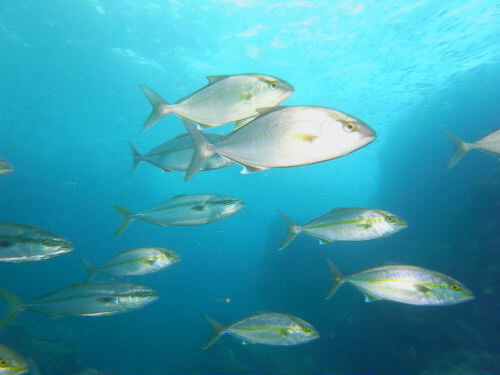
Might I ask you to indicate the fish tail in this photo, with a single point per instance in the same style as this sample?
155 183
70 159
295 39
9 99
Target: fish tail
15 306
461 148
137 158
219 330
203 150
338 279
160 107
293 230
126 219
91 270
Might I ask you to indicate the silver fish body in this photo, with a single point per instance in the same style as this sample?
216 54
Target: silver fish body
405 284
24 243
5 167
186 209
489 143
225 99
285 137
11 363
346 224
134 262
267 328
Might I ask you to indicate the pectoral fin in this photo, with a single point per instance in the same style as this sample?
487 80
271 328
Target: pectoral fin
199 207
423 289
107 300
305 137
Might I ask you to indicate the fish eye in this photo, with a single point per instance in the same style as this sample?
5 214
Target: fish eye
46 243
454 287
141 294
228 202
349 126
274 84
4 362
306 330
389 219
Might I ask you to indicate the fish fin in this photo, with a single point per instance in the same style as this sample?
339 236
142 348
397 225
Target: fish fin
322 241
137 158
126 219
422 289
305 137
148 262
461 148
15 306
293 230
364 225
337 209
203 150
107 300
202 126
198 207
213 79
219 330
160 107
283 332
370 297
338 279
244 343
241 123
91 270
247 169
266 110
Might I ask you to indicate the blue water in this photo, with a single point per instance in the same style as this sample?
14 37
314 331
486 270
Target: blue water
70 102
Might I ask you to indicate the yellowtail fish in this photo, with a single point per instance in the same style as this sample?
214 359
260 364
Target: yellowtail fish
406 284
95 298
186 209
25 243
489 143
134 262
11 363
225 99
284 137
266 328
346 224
5 167
176 154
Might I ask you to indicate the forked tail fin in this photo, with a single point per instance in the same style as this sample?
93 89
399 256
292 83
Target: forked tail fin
219 330
15 306
293 230
137 158
203 150
461 148
91 270
126 219
160 107
338 279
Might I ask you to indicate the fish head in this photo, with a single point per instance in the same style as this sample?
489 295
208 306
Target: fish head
166 257
227 206
388 223
270 91
138 297
451 291
55 246
302 331
11 363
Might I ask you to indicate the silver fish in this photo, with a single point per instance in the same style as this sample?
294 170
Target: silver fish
133 262
95 298
489 143
176 154
406 284
25 243
5 167
11 363
284 137
266 328
346 224
186 209
225 99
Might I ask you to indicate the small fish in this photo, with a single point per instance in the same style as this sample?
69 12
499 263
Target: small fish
5 167
176 154
225 99
95 298
489 143
11 363
266 328
405 284
284 137
186 209
133 262
346 224
25 243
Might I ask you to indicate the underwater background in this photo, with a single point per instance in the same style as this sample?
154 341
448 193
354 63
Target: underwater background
70 102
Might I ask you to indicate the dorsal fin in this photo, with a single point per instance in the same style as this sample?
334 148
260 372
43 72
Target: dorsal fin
338 209
266 110
213 79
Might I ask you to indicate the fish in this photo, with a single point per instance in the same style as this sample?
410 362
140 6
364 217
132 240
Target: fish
185 209
346 224
94 298
267 328
489 143
225 99
133 262
405 284
5 167
284 137
176 154
25 243
11 363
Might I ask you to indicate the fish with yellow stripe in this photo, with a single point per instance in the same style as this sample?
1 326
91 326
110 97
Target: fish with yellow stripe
405 284
346 224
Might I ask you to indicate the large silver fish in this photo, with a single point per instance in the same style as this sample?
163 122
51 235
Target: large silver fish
284 137
25 243
133 262
5 167
489 143
405 284
176 154
225 99
11 363
95 298
346 224
186 209
266 328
